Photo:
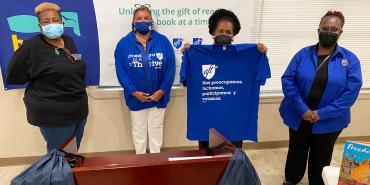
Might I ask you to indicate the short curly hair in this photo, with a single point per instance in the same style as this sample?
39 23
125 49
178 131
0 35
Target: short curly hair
223 14
46 6
334 13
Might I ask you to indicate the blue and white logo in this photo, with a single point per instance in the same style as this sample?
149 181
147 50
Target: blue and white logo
209 71
177 42
159 56
197 41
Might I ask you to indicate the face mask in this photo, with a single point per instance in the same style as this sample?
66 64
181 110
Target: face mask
223 39
143 27
327 39
52 31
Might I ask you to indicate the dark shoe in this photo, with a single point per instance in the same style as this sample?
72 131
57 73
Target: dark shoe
288 183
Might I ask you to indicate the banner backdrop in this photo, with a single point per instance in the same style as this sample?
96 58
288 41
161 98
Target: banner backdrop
18 22
180 21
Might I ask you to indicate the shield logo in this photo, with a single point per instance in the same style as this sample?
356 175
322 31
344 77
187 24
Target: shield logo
209 71
159 56
177 42
344 63
197 41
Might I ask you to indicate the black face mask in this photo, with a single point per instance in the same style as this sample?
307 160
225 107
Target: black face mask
327 39
223 39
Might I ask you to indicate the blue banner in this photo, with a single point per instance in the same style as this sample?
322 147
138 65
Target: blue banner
18 22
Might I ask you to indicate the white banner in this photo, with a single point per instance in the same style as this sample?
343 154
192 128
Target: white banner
180 21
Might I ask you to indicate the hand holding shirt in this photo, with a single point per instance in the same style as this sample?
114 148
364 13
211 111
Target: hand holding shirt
223 85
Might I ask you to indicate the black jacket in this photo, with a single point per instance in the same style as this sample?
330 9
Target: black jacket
56 94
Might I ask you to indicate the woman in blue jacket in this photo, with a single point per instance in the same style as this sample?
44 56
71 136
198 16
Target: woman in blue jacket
320 85
145 67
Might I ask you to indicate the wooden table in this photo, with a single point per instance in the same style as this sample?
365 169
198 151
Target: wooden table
153 169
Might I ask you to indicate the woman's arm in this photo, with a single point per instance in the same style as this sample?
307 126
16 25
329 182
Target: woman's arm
169 75
122 75
18 67
290 88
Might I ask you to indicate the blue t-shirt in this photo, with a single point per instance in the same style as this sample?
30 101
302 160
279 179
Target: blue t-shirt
223 86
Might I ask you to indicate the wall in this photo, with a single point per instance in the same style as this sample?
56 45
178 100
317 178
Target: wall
109 127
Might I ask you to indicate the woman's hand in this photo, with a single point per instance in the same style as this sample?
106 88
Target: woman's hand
157 95
261 48
186 46
311 116
143 97
308 116
316 117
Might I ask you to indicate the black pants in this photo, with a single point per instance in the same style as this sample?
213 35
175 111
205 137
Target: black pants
205 144
318 148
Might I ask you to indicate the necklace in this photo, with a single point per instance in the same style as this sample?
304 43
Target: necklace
61 43
56 51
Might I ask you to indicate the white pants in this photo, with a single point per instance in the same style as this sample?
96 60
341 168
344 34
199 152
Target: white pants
147 122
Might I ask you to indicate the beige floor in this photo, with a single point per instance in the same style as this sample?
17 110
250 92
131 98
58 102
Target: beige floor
269 164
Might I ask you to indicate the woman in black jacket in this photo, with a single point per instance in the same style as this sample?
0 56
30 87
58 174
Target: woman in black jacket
55 99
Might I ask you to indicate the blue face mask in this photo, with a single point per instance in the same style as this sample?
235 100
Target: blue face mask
143 27
53 31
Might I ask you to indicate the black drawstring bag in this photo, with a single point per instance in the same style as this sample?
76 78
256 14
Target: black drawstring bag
50 169
73 160
240 171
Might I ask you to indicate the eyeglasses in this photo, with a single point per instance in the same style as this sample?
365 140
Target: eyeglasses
69 55
330 29
137 6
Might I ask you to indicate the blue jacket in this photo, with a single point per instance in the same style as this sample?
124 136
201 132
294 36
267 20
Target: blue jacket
145 71
342 89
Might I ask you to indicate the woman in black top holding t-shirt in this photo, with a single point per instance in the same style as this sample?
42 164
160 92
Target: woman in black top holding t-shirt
55 99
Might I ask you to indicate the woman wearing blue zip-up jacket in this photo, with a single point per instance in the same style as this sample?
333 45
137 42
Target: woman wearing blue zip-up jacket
320 85
145 67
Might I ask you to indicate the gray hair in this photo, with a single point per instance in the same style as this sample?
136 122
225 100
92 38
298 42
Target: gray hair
138 9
